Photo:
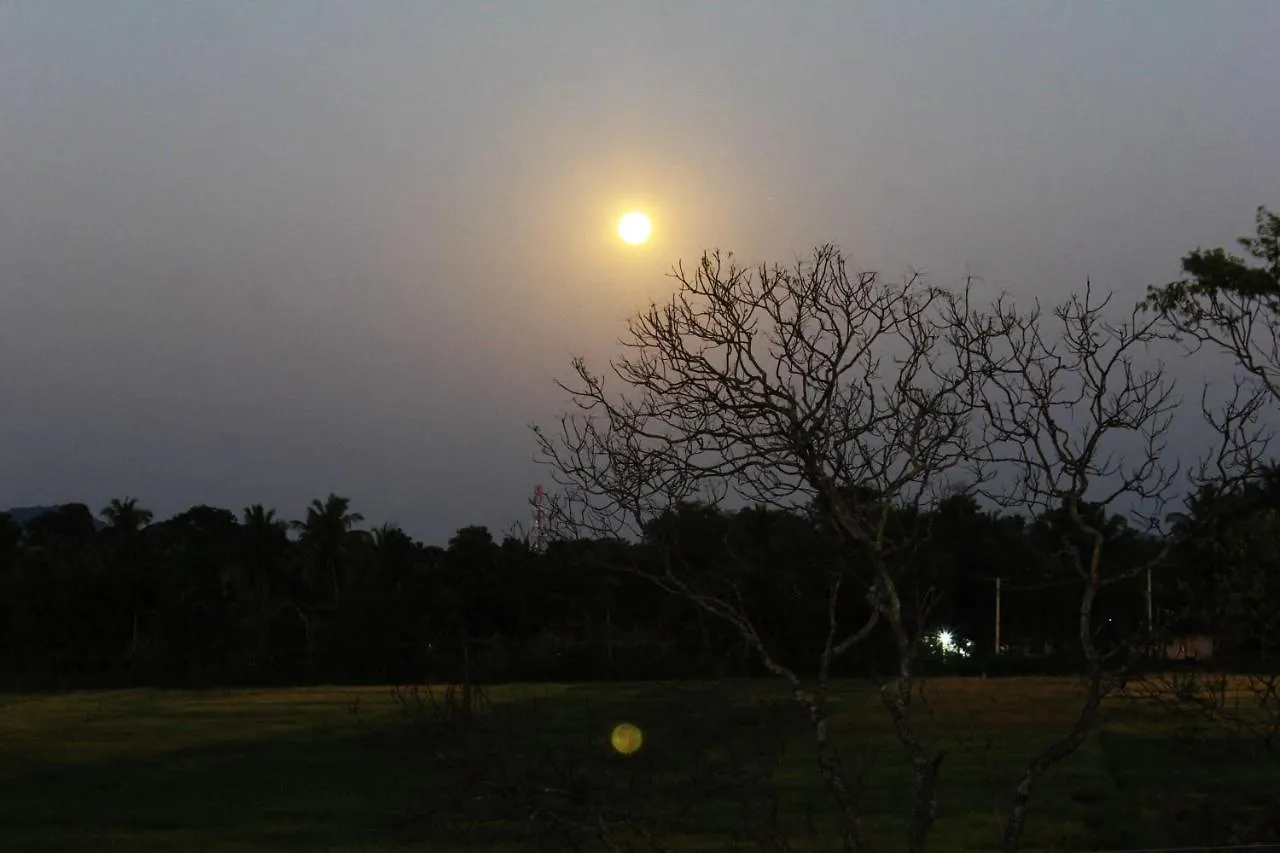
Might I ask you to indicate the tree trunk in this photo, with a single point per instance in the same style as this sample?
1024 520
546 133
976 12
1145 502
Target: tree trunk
705 635
853 835
1016 822
133 643
608 635
333 574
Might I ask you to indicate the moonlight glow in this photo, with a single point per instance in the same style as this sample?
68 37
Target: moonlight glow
634 228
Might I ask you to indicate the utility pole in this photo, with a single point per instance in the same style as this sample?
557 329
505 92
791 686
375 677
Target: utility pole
1151 626
997 616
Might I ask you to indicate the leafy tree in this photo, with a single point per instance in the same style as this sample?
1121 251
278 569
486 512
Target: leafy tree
196 559
10 549
10 542
69 526
1250 586
1231 303
474 567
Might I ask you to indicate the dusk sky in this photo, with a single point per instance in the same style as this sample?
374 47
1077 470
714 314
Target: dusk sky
261 251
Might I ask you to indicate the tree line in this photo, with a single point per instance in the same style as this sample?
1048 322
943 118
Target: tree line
209 597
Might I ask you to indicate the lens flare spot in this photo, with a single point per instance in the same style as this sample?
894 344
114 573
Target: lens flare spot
626 738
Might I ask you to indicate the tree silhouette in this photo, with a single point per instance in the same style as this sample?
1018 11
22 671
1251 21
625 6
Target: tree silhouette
813 385
1077 417
1231 304
259 518
125 515
864 403
10 542
326 538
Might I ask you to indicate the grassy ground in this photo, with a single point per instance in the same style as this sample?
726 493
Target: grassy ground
355 770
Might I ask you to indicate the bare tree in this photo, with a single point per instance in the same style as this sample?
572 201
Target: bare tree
1077 415
1231 305
811 385
854 397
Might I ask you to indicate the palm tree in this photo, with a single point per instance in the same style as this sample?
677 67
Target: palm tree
125 519
125 515
394 552
326 535
258 517
265 587
390 536
265 539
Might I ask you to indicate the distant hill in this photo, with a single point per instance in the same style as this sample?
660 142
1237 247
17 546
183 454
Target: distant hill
23 514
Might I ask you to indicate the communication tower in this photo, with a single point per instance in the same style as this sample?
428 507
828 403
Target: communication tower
538 532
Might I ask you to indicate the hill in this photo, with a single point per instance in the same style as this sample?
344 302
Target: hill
24 514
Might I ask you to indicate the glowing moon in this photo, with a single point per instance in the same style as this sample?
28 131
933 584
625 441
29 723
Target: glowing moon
626 738
634 228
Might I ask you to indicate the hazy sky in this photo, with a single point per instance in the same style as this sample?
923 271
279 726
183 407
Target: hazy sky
259 251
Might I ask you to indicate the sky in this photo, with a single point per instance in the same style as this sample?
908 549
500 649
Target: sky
259 252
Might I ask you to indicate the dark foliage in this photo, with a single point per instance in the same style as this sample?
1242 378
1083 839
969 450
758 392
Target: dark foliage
208 598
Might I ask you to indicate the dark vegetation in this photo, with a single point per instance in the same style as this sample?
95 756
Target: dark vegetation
209 598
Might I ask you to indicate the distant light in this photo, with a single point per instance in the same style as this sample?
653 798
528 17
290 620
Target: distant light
948 645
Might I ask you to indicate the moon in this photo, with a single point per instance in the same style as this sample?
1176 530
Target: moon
634 228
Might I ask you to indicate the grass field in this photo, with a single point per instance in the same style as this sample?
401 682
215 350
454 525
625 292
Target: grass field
346 769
